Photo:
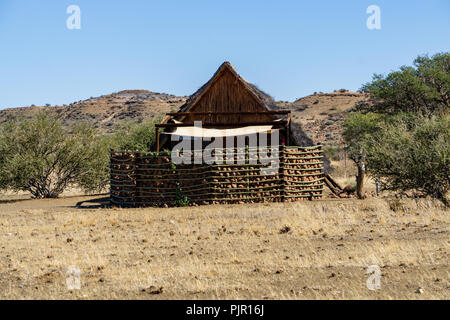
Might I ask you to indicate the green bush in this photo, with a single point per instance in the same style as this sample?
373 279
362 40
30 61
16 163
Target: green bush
358 128
405 158
135 136
405 141
180 199
39 156
405 152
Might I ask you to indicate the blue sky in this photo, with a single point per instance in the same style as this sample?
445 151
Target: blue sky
287 48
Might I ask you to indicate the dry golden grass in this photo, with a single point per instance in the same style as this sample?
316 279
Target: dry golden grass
226 252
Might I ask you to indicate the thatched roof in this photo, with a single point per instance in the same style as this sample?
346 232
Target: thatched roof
263 98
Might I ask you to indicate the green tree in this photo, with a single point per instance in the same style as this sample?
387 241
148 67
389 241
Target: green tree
135 136
359 128
423 88
395 141
404 152
405 158
39 156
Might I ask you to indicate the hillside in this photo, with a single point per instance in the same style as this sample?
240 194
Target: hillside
108 111
321 114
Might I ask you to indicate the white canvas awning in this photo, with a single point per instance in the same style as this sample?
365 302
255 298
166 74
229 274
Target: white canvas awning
198 132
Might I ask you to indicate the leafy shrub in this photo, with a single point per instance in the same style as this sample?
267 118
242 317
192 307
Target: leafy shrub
39 156
405 152
135 136
405 158
180 199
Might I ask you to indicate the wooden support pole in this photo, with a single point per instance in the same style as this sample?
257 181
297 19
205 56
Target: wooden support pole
157 139
288 130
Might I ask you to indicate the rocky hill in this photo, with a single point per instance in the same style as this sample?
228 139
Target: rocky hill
321 114
108 111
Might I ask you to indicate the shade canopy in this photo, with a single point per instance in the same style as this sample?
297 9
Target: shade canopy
198 132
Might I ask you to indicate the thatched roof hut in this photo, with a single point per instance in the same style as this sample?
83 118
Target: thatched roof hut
231 101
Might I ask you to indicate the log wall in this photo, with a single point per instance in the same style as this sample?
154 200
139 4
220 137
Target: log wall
152 179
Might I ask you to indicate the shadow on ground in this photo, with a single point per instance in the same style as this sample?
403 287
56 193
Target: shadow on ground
13 200
94 203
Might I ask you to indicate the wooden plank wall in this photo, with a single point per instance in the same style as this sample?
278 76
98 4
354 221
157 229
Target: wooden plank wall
227 94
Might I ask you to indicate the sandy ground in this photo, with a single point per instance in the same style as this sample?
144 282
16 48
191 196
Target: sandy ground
303 250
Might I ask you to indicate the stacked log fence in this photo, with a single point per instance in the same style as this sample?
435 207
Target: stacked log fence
245 175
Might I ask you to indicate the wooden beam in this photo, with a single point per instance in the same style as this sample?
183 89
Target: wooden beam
227 113
332 185
221 124
166 119
157 139
288 130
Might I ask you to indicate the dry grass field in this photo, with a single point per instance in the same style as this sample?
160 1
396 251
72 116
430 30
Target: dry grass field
303 250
